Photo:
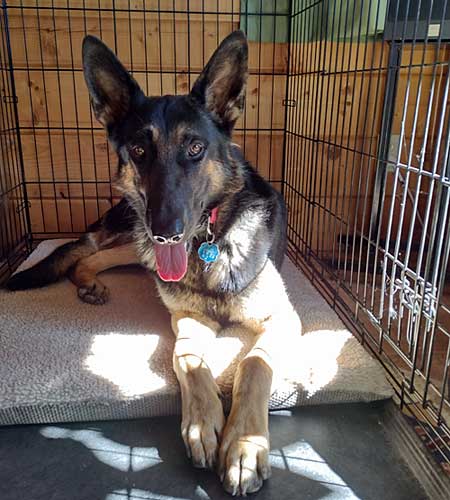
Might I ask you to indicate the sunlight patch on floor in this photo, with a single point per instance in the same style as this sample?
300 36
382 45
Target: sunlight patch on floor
282 413
119 456
124 361
201 493
312 360
298 458
301 458
135 494
222 355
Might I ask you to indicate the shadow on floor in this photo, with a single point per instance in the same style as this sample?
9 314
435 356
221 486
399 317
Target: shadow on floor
333 452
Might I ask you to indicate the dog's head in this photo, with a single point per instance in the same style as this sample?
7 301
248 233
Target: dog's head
174 151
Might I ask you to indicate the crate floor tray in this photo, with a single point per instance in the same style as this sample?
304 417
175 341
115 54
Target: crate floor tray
62 360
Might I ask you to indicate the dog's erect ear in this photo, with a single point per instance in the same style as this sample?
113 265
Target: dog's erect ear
110 86
221 86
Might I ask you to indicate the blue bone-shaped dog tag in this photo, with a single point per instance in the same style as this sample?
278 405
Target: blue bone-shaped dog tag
208 252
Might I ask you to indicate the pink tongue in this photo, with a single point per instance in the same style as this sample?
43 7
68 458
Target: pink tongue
171 261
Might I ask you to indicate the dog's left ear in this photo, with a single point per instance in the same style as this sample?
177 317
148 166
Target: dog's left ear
221 86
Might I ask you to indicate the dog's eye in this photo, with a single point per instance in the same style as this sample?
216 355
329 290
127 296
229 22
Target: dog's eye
196 150
137 151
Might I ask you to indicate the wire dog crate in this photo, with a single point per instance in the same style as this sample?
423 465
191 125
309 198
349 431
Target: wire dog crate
347 113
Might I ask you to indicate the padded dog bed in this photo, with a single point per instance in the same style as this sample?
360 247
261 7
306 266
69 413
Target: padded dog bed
62 360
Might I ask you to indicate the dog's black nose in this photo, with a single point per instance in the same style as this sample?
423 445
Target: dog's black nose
168 241
168 233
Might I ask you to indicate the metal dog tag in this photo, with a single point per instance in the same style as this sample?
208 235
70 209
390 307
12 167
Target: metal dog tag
208 252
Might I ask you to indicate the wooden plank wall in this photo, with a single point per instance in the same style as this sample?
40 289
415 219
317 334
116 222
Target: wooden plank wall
68 164
419 106
332 147
336 92
332 140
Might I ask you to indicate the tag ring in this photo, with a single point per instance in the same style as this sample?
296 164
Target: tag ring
210 237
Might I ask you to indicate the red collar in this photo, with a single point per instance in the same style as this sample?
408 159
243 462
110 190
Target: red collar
213 216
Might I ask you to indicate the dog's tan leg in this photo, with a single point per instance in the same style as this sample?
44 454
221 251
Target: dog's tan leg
84 274
202 412
244 451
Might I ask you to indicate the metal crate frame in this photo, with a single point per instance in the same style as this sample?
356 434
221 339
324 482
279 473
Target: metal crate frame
388 287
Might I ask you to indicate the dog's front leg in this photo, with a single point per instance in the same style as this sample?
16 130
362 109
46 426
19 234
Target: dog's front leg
202 411
84 273
244 451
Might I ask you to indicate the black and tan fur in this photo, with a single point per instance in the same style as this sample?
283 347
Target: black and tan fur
167 190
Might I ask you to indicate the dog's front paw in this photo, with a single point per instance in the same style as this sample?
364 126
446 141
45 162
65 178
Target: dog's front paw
96 294
243 461
201 428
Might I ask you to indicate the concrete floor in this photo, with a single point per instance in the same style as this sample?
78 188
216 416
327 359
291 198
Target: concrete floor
332 452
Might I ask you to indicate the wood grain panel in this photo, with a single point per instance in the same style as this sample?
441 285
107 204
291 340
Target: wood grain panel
53 99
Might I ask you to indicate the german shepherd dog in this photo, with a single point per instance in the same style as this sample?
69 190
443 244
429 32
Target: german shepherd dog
198 214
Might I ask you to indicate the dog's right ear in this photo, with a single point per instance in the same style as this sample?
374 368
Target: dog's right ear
221 86
111 87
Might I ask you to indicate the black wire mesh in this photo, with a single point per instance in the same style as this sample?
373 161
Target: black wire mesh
165 43
14 216
347 113
366 180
